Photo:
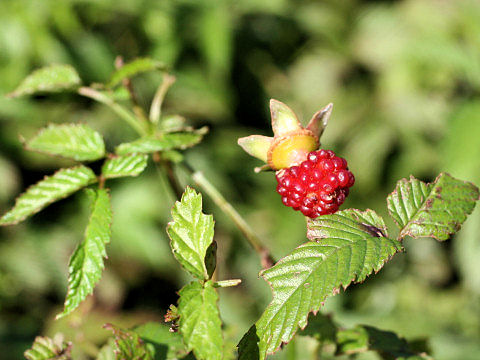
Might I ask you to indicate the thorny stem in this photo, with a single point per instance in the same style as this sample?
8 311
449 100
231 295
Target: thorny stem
126 115
197 176
156 106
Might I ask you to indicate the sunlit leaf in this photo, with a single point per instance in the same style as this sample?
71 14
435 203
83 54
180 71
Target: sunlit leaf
86 264
120 166
133 68
435 210
181 140
74 141
52 188
53 78
191 234
45 348
200 323
347 247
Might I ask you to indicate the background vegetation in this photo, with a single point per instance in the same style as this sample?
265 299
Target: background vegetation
404 77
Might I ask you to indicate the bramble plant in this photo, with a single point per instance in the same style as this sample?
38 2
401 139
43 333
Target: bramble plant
343 247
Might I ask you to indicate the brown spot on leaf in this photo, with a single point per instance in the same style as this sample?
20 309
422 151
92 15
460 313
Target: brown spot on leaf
372 230
429 203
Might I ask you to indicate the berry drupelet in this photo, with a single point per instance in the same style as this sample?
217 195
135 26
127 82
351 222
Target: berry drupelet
317 186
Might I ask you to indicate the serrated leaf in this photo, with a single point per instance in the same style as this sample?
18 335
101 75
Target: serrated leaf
348 246
133 68
434 210
191 234
86 264
200 323
120 166
146 145
129 345
388 344
52 188
53 78
168 345
74 141
45 348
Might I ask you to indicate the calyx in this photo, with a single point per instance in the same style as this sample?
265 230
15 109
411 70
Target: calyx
291 142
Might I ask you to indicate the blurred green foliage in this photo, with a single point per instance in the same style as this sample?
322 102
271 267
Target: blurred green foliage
404 77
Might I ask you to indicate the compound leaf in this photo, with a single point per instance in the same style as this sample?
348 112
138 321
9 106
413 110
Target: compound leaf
53 78
133 68
120 166
44 348
200 323
75 141
52 188
86 264
434 210
191 234
180 140
347 247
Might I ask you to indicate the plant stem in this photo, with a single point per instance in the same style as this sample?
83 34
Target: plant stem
222 203
172 180
156 107
126 115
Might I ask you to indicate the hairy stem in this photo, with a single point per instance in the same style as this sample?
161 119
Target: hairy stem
239 221
124 114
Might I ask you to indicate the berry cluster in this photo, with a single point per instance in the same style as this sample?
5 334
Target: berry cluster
318 186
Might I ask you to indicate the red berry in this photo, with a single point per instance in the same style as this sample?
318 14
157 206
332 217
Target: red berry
317 186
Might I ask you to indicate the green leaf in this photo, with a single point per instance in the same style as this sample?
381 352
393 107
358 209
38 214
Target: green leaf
133 68
434 210
120 166
75 141
53 78
348 246
388 344
86 264
129 345
200 323
168 345
191 234
52 188
45 348
146 145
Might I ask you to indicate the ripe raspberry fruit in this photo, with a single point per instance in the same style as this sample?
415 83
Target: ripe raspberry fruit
318 185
